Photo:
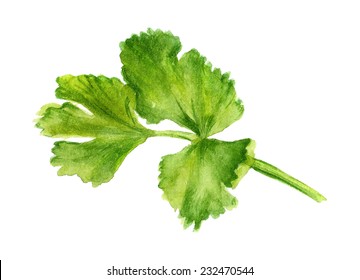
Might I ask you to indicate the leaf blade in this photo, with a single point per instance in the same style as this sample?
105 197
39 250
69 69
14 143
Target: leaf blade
194 180
187 91
111 122
94 161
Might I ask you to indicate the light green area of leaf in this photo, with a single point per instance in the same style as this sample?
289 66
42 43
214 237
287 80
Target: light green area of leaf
110 119
194 180
187 91
94 161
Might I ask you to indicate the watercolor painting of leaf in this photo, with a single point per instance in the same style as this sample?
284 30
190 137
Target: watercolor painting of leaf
158 85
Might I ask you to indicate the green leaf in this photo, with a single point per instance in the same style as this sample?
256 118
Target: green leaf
194 180
187 91
110 120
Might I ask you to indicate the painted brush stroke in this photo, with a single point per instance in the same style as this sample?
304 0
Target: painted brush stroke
158 86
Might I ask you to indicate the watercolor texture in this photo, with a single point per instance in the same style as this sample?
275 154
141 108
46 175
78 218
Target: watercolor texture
158 86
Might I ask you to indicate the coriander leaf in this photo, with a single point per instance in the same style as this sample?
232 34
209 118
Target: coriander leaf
111 121
195 179
186 91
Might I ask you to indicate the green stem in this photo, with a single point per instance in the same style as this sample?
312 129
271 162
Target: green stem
176 134
275 173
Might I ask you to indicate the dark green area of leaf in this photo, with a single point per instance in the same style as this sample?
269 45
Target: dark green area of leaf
186 90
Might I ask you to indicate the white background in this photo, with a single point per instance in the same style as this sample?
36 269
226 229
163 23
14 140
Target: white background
297 68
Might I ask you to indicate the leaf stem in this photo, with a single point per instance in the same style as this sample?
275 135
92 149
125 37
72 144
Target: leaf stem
275 173
176 134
